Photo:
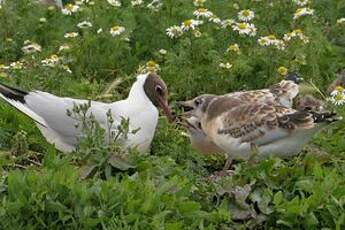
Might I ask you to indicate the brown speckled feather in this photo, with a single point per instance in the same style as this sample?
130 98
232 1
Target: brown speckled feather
259 123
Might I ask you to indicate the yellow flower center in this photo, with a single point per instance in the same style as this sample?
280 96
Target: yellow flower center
271 37
242 26
282 70
151 64
69 6
188 23
339 88
339 97
202 10
245 13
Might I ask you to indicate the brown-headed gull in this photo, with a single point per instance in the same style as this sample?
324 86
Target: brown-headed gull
241 128
49 112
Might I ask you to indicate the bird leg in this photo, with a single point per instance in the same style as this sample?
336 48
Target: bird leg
227 164
255 151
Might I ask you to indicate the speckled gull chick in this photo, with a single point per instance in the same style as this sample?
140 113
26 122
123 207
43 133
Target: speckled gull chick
240 128
49 112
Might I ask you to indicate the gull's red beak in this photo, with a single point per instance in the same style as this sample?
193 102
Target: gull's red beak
163 104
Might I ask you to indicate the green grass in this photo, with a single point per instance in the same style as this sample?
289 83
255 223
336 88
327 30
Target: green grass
168 188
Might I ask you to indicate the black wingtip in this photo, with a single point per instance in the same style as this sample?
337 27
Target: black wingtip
12 93
325 117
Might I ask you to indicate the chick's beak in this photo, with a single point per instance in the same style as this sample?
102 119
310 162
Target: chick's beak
186 105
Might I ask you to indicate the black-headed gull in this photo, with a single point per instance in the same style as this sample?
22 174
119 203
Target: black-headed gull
241 128
49 112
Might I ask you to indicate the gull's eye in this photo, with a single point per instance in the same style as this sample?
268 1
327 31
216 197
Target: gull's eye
159 90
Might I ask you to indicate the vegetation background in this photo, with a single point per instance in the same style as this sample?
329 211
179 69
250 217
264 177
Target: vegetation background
167 188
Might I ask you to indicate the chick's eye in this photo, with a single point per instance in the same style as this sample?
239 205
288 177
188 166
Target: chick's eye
197 102
159 90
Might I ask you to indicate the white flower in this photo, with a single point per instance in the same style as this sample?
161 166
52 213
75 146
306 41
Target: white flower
66 67
155 5
215 20
16 65
202 12
245 28
341 21
271 40
190 24
296 33
69 9
114 3
71 35
52 61
233 48
4 67
302 12
226 65
163 51
338 96
117 30
174 31
64 47
199 2
84 24
301 2
137 2
100 30
43 20
31 47
246 15
227 22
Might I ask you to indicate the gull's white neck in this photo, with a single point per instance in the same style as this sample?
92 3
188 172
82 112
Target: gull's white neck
137 93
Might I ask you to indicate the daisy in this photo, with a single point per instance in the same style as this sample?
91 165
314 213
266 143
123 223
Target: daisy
190 24
17 65
226 65
30 48
155 5
341 21
282 70
301 2
64 47
227 22
233 48
246 15
114 3
69 9
137 2
52 61
215 20
84 24
297 33
100 30
151 66
196 33
202 12
43 20
271 40
302 12
66 67
71 35
117 30
338 96
4 67
174 32
245 28
199 2
163 51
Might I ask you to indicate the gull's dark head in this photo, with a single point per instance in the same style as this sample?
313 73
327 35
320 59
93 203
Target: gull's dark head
294 77
157 91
